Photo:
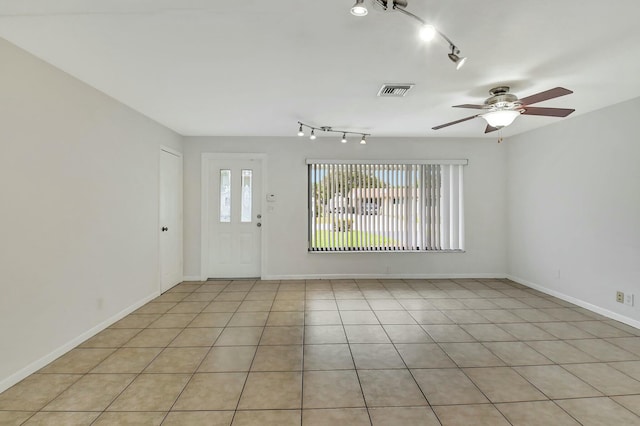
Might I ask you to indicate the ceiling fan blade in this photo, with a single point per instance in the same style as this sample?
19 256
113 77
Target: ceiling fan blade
453 122
548 112
490 129
544 96
469 106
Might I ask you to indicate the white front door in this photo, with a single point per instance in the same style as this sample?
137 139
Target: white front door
170 219
235 217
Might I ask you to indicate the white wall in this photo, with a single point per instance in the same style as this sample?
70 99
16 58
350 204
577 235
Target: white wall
285 228
79 211
574 207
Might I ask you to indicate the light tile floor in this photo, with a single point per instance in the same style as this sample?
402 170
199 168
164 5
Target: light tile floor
343 352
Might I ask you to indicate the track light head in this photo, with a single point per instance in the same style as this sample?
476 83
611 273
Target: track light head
359 9
427 32
329 129
459 61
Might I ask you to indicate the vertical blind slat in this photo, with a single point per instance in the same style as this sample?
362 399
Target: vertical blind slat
377 209
422 243
341 212
387 240
369 198
372 214
460 208
358 203
437 207
428 201
444 208
412 203
432 206
334 235
454 207
417 187
398 210
310 234
318 206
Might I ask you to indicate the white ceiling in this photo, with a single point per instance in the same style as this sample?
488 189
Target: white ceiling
256 67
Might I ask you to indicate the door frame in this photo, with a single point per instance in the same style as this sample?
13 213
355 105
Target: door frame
205 207
181 221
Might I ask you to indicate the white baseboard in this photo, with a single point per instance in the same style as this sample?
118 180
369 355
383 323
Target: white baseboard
594 308
191 278
52 356
380 276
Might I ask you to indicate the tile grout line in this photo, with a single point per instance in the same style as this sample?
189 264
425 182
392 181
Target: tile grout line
355 367
244 385
203 358
82 375
147 366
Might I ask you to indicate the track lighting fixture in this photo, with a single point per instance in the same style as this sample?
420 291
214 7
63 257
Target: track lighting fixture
312 136
427 31
359 9
363 141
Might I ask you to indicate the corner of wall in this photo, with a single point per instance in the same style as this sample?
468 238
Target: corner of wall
52 356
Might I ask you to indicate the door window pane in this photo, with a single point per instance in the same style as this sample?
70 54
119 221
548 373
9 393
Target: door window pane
247 192
225 195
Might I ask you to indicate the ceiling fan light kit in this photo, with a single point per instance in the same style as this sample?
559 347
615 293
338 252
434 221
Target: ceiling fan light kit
427 31
500 118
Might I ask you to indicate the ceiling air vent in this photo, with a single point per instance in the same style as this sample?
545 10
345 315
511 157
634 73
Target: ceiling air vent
394 90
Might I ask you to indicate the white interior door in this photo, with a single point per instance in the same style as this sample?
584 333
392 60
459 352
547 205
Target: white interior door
235 218
170 219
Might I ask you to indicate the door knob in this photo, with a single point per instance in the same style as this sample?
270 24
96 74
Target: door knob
164 228
259 216
258 224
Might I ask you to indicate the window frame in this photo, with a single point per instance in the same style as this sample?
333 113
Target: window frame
398 202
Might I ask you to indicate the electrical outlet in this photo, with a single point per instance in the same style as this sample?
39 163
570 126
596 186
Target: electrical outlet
628 299
619 297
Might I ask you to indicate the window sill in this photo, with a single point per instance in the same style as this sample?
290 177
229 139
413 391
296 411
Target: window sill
382 251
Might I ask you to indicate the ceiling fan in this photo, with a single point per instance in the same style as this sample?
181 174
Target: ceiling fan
502 107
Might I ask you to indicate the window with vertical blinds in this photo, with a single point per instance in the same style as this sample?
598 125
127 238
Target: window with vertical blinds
386 206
